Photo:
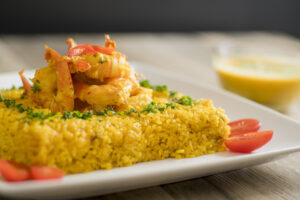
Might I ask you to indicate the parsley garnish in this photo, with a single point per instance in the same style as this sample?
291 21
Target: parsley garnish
172 93
36 86
157 88
9 103
132 110
105 112
171 105
161 88
76 114
150 108
30 114
186 101
146 84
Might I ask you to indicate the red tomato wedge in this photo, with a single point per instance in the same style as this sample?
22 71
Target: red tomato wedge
102 49
45 173
88 49
248 142
244 126
13 172
81 49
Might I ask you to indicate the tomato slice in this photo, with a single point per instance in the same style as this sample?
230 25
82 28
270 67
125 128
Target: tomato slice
88 49
248 142
81 49
45 173
13 172
244 126
101 49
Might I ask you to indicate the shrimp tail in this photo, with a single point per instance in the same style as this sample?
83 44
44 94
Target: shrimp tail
51 54
110 43
71 43
25 82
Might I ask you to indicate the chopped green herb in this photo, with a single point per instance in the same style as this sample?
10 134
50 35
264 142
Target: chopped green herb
30 114
76 114
87 114
67 115
13 87
162 108
101 112
126 112
132 110
9 103
29 111
150 108
161 88
172 93
171 105
36 86
158 88
186 101
20 108
111 109
118 113
146 84
105 112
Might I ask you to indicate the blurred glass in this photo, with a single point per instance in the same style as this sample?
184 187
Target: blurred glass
265 71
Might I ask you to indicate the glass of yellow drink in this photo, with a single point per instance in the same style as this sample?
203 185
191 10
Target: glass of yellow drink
266 73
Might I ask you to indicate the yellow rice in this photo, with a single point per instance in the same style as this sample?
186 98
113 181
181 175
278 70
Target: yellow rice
77 145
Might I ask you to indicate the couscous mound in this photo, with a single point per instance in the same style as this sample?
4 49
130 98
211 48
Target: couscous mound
109 139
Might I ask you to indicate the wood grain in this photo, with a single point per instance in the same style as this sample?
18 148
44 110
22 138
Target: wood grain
188 54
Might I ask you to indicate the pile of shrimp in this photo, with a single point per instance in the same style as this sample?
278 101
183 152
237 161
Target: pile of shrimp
89 78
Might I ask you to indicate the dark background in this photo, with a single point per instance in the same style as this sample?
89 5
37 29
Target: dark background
67 16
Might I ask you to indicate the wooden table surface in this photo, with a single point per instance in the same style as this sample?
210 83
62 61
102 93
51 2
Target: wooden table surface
188 54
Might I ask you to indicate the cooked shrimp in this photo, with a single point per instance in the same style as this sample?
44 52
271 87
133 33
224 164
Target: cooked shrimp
92 76
98 66
56 89
114 88
114 92
109 71
79 66
25 82
142 97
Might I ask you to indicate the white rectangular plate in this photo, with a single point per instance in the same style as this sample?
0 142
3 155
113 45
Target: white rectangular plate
286 140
